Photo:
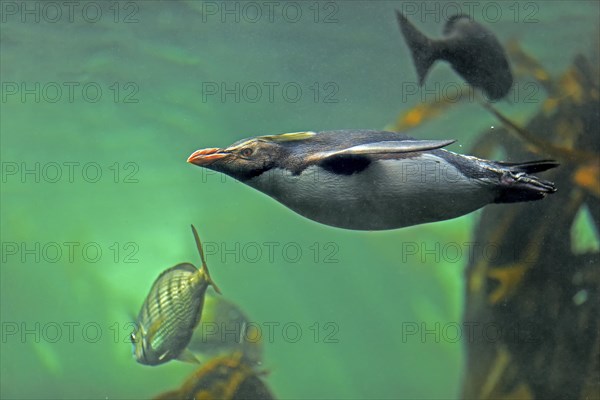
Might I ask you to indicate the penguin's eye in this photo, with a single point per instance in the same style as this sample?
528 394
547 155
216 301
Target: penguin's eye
247 152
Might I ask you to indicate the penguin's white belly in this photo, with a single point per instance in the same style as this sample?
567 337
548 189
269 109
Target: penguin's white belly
388 194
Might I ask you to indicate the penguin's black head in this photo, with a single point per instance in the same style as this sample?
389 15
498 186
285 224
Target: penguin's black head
247 158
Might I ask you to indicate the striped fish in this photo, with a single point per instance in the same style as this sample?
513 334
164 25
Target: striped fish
171 312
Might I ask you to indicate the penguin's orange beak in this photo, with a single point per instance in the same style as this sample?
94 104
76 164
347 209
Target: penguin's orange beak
205 157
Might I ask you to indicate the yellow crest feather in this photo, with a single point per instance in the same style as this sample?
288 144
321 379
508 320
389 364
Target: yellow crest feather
288 137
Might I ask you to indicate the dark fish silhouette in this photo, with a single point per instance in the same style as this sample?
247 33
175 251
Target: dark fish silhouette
225 329
472 50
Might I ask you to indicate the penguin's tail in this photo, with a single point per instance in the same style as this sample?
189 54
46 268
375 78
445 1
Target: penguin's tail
517 185
424 50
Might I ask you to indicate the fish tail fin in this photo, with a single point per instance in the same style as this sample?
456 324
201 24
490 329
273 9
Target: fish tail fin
204 269
517 185
424 50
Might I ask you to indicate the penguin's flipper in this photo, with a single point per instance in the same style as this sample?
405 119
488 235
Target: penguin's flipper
389 147
355 159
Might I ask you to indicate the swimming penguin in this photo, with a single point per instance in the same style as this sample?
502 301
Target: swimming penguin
373 180
472 50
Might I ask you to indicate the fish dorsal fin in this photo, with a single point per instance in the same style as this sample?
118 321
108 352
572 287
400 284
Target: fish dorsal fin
204 265
386 147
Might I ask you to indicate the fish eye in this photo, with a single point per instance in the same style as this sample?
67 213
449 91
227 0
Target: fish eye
246 152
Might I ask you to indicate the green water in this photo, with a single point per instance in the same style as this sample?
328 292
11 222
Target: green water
358 290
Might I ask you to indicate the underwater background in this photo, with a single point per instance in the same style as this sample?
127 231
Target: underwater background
97 197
